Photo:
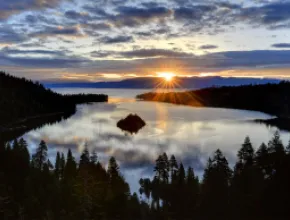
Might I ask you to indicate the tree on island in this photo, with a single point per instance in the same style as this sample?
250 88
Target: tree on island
132 123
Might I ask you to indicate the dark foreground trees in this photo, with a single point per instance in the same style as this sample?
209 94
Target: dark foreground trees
257 187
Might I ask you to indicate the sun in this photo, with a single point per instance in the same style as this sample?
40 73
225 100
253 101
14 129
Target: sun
168 76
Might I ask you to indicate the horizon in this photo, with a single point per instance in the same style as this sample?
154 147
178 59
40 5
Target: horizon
162 78
79 41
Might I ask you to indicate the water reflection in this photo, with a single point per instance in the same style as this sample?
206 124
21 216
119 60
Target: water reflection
191 134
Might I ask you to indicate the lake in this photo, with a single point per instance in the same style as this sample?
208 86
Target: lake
191 134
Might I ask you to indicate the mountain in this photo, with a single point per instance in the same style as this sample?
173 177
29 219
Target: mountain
153 82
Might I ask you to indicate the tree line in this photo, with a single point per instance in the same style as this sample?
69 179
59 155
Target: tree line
257 187
21 98
269 98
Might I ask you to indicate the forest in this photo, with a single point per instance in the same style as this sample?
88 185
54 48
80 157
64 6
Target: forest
22 99
255 187
273 99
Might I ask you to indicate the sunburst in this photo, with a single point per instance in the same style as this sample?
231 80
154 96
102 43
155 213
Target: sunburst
168 76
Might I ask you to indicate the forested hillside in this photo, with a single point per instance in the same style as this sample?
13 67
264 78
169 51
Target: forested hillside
21 98
269 98
257 187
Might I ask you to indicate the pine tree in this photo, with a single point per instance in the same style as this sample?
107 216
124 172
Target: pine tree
262 160
276 153
162 168
145 187
215 186
173 167
181 175
57 166
246 153
288 148
62 166
70 170
94 157
119 192
85 158
113 168
191 192
165 173
40 157
246 182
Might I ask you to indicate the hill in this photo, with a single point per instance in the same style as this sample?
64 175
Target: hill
153 82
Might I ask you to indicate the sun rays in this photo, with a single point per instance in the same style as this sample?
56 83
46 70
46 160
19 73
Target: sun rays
168 76
168 89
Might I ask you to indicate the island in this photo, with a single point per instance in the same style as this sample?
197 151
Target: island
273 99
131 124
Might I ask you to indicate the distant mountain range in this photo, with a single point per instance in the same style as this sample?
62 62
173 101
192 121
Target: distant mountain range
153 82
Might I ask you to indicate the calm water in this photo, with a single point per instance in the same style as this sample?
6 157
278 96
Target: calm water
191 134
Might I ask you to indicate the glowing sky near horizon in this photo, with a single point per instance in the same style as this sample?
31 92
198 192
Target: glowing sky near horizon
95 40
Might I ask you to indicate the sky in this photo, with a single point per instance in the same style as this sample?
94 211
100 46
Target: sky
97 40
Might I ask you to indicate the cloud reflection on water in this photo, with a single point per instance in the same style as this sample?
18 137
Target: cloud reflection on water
191 134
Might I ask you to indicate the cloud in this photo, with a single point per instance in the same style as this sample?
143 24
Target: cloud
34 19
246 59
99 26
272 15
143 53
8 8
117 39
208 47
54 61
193 13
10 51
281 45
81 16
54 31
10 36
135 16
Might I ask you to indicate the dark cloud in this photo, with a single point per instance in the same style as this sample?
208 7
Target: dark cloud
9 51
255 58
228 5
117 39
208 47
10 7
134 16
32 44
144 34
151 4
34 19
41 62
193 13
99 26
80 16
102 54
51 31
155 32
276 12
143 53
281 45
31 19
98 12
9 36
272 15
